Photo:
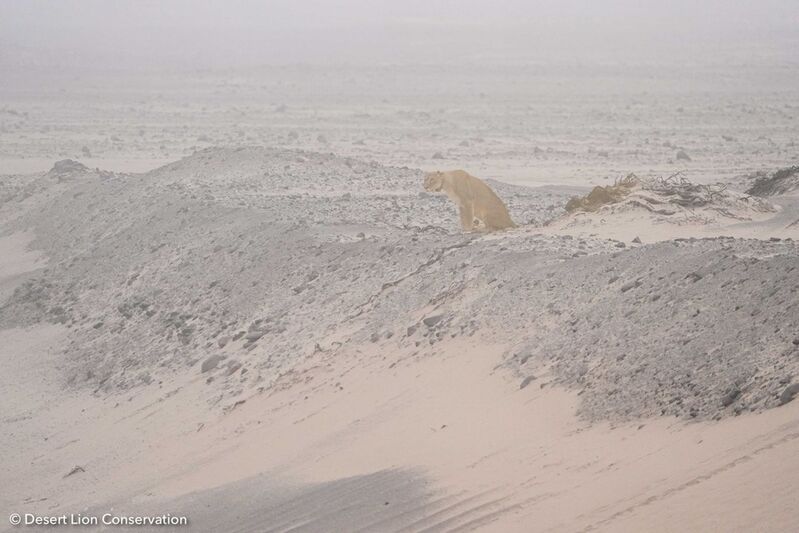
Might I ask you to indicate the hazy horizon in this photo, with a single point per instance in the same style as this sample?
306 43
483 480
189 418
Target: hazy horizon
125 34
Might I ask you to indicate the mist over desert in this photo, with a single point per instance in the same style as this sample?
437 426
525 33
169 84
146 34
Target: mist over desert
227 298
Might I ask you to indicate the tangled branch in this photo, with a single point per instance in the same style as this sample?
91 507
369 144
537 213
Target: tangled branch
680 191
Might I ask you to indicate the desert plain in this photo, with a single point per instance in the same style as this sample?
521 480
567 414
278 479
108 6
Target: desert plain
225 295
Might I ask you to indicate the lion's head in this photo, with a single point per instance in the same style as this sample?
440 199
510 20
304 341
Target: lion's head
433 181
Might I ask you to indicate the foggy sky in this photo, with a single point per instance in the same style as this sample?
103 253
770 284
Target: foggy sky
206 34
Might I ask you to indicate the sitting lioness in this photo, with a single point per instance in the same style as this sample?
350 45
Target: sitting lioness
475 199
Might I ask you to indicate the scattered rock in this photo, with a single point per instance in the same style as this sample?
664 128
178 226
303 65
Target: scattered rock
232 366
630 285
431 321
254 335
682 156
75 470
68 166
211 363
782 181
694 276
789 393
730 397
233 406
526 288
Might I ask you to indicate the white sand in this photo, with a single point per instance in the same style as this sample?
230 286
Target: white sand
506 459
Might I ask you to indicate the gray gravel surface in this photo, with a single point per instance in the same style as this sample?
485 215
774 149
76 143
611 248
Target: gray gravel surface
236 264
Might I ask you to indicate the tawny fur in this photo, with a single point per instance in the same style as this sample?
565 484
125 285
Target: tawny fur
475 199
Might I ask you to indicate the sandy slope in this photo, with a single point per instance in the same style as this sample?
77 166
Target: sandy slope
443 443
507 458
194 348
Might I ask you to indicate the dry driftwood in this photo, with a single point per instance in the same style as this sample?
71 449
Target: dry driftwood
678 190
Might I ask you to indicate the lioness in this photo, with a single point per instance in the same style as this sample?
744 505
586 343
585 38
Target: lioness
475 199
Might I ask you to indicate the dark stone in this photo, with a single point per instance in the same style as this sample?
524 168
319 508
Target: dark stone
631 285
694 276
789 393
730 397
526 381
431 321
68 166
211 363
254 335
75 470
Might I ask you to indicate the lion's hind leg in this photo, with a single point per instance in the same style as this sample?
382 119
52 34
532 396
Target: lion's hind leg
497 221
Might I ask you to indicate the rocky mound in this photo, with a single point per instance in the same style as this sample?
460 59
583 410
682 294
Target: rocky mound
779 182
691 328
236 264
673 199
20 193
327 189
206 256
